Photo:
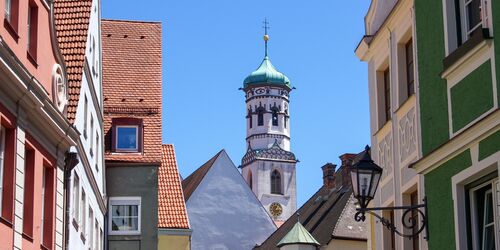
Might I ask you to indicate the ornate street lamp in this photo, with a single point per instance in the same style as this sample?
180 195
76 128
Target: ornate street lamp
365 176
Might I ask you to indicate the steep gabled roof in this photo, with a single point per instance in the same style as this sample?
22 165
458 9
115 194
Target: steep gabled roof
192 181
132 84
72 18
171 206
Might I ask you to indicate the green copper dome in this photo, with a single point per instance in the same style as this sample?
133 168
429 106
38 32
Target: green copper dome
267 74
298 236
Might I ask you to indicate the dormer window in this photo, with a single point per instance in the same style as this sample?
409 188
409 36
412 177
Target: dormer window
127 135
127 138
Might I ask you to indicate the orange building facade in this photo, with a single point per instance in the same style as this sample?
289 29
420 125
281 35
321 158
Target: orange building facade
35 135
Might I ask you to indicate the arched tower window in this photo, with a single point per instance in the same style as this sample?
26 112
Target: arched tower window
286 117
276 182
249 180
275 118
260 117
250 120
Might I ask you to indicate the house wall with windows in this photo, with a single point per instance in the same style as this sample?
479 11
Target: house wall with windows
35 135
79 38
459 90
132 126
389 48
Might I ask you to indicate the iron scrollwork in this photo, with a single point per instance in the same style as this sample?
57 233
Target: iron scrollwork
408 221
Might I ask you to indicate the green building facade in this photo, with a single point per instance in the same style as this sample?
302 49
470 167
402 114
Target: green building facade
457 44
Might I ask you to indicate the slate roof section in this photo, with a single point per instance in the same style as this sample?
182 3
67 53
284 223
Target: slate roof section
171 206
132 83
72 18
192 181
275 152
347 227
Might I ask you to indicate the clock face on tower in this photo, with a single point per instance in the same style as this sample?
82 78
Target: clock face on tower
275 209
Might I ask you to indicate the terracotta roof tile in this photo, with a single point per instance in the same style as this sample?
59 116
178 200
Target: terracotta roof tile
171 207
132 79
72 19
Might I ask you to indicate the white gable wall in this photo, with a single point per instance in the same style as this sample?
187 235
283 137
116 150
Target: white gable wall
224 213
94 162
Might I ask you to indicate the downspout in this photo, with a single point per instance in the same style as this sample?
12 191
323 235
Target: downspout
70 162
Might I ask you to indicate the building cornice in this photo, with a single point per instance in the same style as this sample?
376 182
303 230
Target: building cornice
363 49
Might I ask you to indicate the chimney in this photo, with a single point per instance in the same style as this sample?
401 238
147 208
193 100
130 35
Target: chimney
345 169
329 175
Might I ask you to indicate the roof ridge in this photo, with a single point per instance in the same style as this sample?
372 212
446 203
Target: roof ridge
191 182
130 21
172 211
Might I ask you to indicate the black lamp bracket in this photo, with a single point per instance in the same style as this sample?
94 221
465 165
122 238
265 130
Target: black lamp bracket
407 220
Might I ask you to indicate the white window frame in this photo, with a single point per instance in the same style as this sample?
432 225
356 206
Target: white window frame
136 149
468 175
473 212
76 198
451 28
91 228
91 135
2 158
85 116
83 219
124 201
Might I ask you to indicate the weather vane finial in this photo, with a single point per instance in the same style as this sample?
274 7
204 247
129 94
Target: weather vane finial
266 37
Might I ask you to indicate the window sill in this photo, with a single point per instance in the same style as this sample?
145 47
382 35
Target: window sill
44 247
477 37
383 127
27 237
32 59
10 29
5 221
125 233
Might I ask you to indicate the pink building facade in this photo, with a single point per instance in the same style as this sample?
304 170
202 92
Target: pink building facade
35 134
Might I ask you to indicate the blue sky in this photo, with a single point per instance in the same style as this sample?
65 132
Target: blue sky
209 47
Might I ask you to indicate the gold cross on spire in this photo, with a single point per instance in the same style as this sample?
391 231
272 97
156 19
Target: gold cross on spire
266 37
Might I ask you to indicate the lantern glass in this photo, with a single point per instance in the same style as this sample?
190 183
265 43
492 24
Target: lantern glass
365 176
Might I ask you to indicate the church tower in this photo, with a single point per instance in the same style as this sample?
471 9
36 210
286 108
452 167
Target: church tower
268 165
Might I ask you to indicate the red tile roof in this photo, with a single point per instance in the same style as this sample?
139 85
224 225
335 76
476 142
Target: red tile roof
132 79
171 207
72 19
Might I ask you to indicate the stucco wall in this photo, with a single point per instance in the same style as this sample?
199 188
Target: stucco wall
440 204
136 181
472 96
432 89
171 242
